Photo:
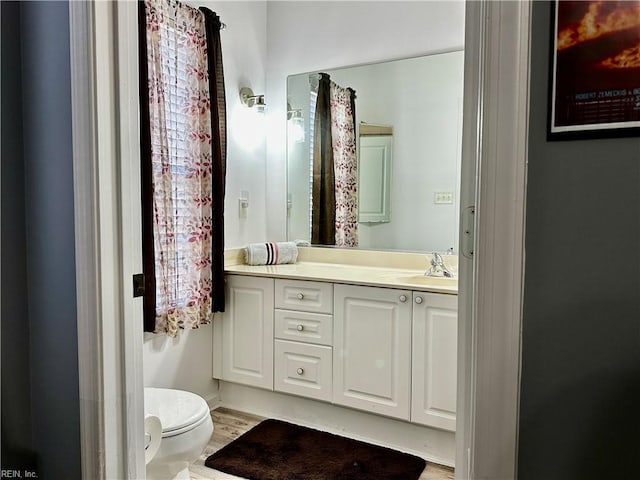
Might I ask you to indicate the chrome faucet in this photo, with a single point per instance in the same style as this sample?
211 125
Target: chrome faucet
438 267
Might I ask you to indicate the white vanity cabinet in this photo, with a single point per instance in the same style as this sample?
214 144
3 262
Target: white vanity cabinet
434 360
387 351
243 335
372 349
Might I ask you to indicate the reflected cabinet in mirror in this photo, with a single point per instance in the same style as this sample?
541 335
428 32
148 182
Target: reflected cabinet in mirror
374 152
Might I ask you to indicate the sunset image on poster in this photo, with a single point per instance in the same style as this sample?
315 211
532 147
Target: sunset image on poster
596 74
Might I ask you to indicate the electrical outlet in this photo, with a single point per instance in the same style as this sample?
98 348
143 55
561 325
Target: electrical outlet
443 198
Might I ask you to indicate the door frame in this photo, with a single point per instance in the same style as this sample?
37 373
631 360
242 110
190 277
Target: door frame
494 158
106 163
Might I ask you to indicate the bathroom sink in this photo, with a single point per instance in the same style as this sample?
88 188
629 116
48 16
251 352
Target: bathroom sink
426 281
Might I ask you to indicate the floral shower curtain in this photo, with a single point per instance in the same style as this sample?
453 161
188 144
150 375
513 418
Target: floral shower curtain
335 167
183 165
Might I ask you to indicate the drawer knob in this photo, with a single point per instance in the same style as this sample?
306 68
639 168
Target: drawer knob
300 296
300 328
403 298
300 371
418 300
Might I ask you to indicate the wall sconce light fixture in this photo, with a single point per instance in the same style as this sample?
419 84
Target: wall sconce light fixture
248 99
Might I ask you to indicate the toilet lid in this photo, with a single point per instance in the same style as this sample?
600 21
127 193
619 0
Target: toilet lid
176 409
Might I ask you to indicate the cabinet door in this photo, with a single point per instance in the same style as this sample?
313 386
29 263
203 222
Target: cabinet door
246 332
435 355
372 349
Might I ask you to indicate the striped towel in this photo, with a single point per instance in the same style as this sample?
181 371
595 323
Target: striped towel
271 253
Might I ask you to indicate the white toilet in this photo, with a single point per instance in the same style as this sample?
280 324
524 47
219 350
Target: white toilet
178 427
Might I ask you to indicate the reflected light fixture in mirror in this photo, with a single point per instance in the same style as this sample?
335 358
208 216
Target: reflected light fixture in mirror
295 124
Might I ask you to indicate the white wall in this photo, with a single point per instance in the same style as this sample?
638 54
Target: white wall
185 362
311 36
244 50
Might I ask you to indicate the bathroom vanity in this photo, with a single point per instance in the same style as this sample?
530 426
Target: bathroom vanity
364 330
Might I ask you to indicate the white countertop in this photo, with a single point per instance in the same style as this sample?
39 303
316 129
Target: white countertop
389 277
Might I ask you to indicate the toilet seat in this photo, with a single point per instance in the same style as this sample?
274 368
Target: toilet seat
179 411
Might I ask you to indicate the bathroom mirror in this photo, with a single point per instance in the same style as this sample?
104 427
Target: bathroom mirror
420 101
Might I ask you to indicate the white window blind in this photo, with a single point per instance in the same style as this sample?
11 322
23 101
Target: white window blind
176 101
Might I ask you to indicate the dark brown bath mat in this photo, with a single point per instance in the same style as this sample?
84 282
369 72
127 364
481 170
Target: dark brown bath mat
275 450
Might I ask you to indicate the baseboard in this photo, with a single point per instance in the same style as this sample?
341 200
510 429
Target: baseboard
214 401
437 446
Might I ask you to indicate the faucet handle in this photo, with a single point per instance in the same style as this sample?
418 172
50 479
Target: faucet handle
438 267
436 259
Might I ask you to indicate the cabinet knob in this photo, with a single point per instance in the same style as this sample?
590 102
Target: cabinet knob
300 296
300 371
403 298
300 328
418 300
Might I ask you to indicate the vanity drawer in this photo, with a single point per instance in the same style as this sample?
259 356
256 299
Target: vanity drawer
304 327
303 369
304 295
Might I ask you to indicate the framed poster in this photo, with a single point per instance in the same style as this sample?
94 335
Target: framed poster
595 79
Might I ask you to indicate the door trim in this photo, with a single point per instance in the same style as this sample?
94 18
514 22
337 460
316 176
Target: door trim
109 335
491 287
90 388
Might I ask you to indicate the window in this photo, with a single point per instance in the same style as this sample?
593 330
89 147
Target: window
183 164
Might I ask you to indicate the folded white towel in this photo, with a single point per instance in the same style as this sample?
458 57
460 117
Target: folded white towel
271 253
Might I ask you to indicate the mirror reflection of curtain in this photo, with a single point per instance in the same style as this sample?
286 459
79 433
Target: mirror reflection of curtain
345 164
323 229
335 173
